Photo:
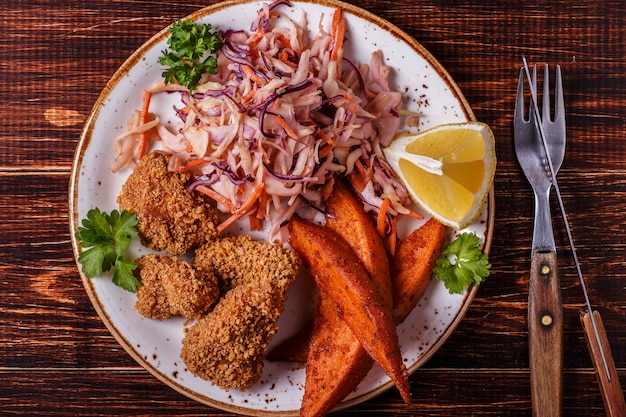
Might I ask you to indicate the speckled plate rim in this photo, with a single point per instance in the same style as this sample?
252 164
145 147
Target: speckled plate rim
487 218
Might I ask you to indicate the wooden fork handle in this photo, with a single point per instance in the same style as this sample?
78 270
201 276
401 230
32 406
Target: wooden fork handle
545 326
612 394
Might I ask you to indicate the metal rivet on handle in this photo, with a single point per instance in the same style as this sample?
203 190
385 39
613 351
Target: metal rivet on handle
546 320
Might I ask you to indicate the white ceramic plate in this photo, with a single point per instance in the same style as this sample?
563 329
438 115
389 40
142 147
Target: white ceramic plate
427 89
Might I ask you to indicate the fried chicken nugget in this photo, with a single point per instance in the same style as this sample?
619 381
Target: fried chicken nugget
170 287
238 260
228 346
170 217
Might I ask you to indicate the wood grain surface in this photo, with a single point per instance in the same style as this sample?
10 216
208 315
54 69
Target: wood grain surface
58 359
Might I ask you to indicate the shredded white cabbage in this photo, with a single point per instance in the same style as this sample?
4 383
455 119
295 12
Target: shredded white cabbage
285 114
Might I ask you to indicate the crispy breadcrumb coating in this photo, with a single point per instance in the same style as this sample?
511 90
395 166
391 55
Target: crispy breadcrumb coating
170 217
228 346
237 260
170 287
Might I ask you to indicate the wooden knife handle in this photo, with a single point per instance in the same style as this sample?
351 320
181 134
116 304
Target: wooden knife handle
612 394
545 327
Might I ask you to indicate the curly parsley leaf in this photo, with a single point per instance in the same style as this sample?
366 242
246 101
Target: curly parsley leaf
107 237
471 265
191 54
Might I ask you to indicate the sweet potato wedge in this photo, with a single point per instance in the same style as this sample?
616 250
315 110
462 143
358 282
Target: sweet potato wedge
347 217
337 361
412 266
340 275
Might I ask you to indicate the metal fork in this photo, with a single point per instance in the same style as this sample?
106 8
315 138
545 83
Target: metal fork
545 311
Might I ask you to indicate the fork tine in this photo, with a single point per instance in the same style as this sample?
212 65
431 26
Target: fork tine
520 104
545 109
534 81
519 101
559 105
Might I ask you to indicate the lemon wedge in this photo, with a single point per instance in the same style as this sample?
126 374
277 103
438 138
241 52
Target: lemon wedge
448 169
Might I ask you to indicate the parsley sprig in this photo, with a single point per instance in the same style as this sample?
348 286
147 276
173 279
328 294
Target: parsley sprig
191 53
471 265
107 237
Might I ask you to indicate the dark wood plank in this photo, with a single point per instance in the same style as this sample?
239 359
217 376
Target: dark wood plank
56 356
62 61
122 392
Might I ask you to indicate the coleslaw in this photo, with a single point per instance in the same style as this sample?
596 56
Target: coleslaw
265 136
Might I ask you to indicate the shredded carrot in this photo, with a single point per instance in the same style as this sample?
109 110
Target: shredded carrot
216 196
325 137
254 41
325 151
335 19
357 182
249 96
256 37
285 60
255 222
382 214
143 118
260 212
393 235
242 210
253 199
194 163
283 123
253 75
415 214
226 223
338 33
361 170
327 188
286 43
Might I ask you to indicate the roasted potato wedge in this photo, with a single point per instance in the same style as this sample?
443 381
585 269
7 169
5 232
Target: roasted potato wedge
412 266
341 276
347 217
337 361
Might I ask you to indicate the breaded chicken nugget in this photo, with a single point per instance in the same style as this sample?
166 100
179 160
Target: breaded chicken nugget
170 217
238 260
228 346
170 287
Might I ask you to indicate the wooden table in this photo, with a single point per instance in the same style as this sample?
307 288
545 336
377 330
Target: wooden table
57 358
